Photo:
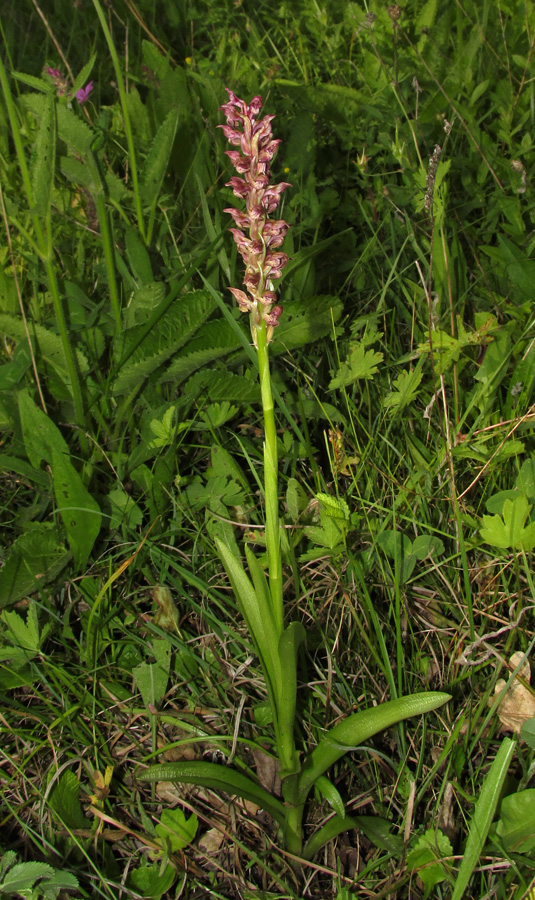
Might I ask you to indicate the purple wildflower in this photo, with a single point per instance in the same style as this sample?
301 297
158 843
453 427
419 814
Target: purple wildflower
83 94
264 235
58 80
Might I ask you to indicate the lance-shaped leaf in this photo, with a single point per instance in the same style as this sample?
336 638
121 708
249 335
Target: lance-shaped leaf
289 643
217 778
353 731
256 610
44 158
377 830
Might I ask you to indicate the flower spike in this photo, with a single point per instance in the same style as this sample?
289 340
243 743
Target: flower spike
261 237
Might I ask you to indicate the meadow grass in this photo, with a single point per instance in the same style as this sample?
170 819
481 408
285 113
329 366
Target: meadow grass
403 373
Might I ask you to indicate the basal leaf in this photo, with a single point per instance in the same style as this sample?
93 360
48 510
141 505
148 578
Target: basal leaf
175 830
218 778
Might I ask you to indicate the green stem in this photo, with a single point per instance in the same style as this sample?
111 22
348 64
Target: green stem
271 495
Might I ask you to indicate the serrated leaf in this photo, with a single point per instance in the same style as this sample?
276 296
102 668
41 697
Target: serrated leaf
406 390
64 800
425 858
176 326
212 341
334 507
44 158
22 877
361 364
220 385
23 634
39 84
34 559
175 831
158 158
74 131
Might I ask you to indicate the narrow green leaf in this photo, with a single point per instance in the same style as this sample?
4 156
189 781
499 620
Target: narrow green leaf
353 731
331 794
377 830
83 75
289 643
483 814
218 778
258 618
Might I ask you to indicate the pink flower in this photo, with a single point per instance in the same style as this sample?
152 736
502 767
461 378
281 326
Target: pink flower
83 94
264 235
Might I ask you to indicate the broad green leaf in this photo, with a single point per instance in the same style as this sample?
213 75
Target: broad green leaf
44 158
214 340
34 559
124 510
426 856
175 831
360 727
155 61
527 732
146 350
79 511
525 480
22 877
23 634
150 881
64 800
152 678
296 499
516 827
509 531
218 778
158 158
487 801
334 507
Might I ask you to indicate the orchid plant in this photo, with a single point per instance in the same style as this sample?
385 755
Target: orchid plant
259 592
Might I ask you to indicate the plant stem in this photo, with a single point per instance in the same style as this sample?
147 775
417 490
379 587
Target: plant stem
271 496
